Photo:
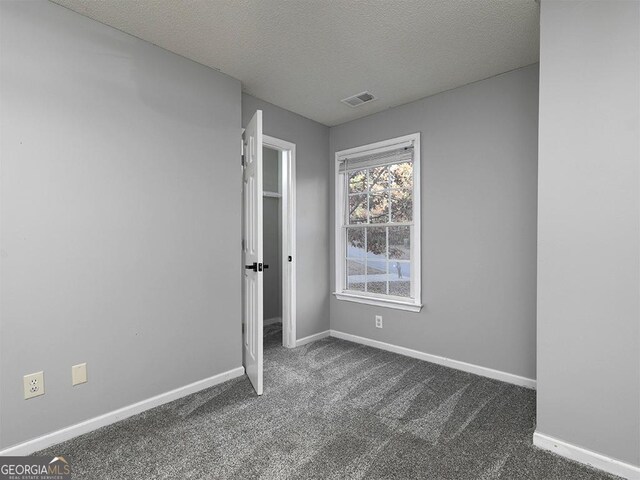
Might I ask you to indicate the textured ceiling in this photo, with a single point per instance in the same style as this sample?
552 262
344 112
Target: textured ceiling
306 55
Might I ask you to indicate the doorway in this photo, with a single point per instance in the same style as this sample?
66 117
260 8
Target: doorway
278 163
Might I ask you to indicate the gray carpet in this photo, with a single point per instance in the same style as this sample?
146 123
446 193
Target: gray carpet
331 409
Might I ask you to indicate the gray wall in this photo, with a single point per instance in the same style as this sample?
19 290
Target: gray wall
312 234
479 173
120 244
589 229
272 230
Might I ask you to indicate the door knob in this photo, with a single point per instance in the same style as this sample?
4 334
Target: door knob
256 267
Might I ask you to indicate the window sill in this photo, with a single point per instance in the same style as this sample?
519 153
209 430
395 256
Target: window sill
408 306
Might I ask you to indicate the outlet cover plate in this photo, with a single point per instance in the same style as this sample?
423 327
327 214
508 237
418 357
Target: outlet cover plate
79 374
33 385
378 321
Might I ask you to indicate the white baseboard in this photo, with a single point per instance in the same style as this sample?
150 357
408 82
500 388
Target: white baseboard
272 320
53 438
447 362
312 338
588 457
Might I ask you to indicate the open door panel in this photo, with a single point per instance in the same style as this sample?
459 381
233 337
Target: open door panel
252 342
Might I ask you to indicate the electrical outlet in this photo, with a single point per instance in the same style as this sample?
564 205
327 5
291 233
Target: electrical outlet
33 385
79 374
378 321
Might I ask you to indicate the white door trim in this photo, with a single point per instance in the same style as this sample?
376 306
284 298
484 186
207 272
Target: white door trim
288 206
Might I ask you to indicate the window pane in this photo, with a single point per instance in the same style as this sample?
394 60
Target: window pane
377 267
355 242
358 181
379 208
358 208
401 205
378 178
401 175
355 275
377 243
377 276
400 278
399 243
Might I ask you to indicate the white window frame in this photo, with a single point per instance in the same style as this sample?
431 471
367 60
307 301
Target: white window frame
341 293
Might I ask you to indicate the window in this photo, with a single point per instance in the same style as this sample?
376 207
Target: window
378 223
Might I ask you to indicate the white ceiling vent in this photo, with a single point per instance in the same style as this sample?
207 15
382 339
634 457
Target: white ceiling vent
358 99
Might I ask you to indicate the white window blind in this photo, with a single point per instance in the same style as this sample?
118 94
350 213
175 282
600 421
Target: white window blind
376 159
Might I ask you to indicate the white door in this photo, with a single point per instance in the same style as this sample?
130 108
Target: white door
252 251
